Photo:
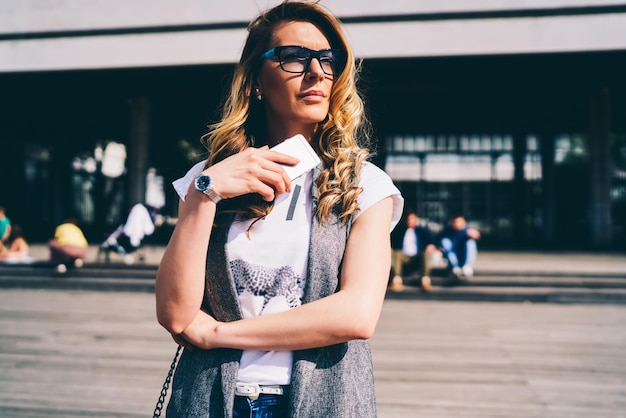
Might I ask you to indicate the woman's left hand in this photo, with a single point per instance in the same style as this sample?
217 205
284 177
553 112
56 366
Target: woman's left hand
201 330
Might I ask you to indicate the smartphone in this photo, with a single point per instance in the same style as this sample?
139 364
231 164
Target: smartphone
297 146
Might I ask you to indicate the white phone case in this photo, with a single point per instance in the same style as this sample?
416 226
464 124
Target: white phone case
297 146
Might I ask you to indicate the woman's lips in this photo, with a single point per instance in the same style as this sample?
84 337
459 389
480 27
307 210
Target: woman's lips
313 95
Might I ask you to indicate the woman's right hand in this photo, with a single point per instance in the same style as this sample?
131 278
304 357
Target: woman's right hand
254 170
200 333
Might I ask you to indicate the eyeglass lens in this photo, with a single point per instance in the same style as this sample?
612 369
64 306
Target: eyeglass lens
298 59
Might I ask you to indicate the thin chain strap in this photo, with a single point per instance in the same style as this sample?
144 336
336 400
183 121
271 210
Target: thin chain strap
166 385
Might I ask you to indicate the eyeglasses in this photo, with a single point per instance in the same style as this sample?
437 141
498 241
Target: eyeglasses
296 59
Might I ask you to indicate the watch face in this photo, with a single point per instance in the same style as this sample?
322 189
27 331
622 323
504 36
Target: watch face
203 182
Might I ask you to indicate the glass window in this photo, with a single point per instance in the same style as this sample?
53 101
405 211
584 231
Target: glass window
420 144
409 144
486 143
507 143
464 143
497 143
397 144
452 144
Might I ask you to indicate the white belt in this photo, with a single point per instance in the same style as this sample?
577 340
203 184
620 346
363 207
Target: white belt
252 390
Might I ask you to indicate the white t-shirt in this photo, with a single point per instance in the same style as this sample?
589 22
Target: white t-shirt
409 243
269 262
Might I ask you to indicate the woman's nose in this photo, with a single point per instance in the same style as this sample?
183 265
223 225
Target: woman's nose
315 69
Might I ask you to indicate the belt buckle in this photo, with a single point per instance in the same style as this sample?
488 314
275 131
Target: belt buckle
251 390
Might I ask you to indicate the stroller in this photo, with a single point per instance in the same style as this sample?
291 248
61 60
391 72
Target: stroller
127 238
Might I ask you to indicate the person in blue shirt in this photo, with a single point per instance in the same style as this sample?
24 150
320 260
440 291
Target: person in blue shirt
5 226
458 242
412 246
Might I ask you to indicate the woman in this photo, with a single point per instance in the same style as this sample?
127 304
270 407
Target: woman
275 315
17 250
69 246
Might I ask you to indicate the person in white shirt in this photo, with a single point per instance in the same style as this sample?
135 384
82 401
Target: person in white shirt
292 348
412 245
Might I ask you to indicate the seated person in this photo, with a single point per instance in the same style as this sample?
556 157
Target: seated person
458 241
5 227
69 245
141 222
411 246
16 250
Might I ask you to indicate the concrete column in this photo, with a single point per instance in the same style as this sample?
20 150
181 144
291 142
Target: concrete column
519 185
61 176
421 187
12 185
548 188
600 166
137 160
492 187
11 167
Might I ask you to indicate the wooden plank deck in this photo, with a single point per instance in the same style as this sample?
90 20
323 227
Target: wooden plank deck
102 354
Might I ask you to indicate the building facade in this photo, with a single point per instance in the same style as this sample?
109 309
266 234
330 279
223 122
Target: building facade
510 112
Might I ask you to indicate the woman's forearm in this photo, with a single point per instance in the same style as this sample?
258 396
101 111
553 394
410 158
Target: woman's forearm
332 320
180 277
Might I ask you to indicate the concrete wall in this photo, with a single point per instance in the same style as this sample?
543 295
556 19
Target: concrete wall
77 34
19 16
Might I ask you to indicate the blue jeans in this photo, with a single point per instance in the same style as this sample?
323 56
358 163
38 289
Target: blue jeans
266 406
460 255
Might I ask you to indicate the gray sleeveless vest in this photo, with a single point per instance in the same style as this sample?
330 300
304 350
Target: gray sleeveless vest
334 381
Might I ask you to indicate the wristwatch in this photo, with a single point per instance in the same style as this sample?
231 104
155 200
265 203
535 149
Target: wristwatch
204 184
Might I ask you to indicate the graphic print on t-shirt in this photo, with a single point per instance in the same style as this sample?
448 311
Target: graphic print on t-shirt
267 282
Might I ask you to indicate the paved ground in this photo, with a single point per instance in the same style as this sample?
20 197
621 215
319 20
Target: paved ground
69 349
68 353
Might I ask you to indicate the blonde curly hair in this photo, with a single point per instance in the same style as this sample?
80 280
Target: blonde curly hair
340 140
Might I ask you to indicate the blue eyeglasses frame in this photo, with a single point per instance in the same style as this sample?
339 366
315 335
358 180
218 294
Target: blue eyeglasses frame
336 57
